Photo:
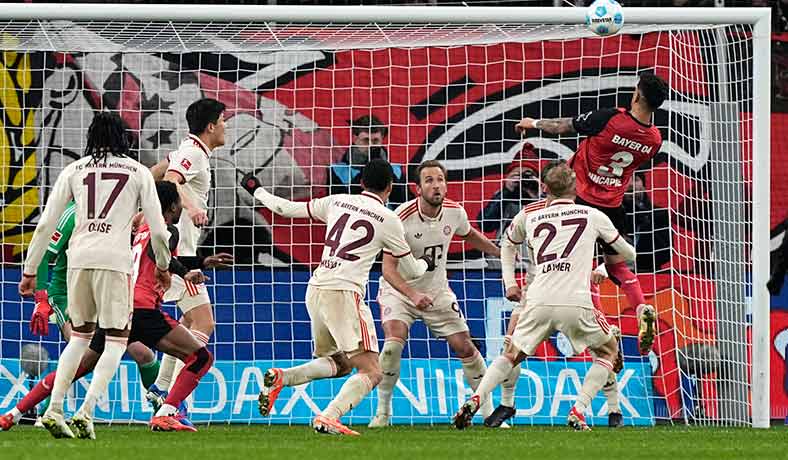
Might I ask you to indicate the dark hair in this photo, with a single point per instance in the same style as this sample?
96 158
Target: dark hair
377 175
653 89
107 134
201 113
168 194
429 164
369 123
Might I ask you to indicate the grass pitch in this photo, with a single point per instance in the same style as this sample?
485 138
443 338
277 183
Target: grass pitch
280 443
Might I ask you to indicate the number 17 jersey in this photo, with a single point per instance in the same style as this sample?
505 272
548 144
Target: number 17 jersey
358 227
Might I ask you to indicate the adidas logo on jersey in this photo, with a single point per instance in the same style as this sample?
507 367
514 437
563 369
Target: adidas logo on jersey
417 236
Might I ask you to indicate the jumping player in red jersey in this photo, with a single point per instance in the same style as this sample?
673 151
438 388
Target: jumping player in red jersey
618 141
150 325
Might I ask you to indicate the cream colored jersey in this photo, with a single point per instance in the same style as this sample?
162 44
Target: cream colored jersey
358 227
191 162
562 238
515 236
431 236
107 195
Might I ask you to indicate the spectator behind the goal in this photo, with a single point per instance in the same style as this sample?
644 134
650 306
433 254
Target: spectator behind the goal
649 225
366 144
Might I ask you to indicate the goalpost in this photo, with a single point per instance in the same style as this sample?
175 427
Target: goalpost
448 83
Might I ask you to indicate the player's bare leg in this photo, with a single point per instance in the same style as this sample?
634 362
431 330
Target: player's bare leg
353 391
619 273
506 409
396 333
473 365
183 345
67 365
596 377
498 371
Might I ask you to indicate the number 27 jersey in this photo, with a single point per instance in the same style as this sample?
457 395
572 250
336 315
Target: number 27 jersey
358 227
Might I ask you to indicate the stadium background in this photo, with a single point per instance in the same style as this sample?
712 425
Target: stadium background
262 323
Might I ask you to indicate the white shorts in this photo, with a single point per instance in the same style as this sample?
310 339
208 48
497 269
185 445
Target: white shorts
99 296
186 295
443 317
584 327
341 321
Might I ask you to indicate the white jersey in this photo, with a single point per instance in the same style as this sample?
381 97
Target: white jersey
358 227
191 162
562 238
107 195
515 235
431 236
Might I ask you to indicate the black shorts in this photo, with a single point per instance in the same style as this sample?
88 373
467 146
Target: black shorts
147 326
617 215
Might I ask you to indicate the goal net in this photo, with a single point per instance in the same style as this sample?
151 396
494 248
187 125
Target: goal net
301 95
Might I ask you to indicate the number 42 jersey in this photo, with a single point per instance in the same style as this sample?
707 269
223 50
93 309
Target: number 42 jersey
358 227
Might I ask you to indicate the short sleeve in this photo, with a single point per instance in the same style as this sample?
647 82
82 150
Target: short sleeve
463 224
65 227
319 207
516 232
187 162
593 122
604 227
394 240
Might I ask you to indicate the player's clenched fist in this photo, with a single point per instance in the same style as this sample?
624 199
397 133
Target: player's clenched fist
198 216
39 321
525 123
250 183
421 301
514 293
164 278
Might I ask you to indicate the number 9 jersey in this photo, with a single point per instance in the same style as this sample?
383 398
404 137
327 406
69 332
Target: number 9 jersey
617 144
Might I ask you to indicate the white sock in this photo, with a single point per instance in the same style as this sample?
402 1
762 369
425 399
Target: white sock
595 379
496 373
67 366
390 361
350 395
108 363
509 385
179 365
166 410
16 414
474 369
166 370
611 393
320 368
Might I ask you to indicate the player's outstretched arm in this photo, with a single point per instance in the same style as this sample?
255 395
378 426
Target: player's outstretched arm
392 276
198 215
562 126
281 206
160 237
160 169
609 234
477 240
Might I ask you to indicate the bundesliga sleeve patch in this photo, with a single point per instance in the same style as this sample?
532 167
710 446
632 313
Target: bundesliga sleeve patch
56 237
186 164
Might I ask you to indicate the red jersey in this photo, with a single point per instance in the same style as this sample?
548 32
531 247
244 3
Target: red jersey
617 144
148 295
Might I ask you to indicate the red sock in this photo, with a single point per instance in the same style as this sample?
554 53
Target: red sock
197 364
627 281
595 297
43 389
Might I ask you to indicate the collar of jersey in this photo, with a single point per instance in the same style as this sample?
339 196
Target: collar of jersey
373 196
425 218
562 201
200 144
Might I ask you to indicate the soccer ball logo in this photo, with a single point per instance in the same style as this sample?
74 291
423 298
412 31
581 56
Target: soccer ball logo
605 17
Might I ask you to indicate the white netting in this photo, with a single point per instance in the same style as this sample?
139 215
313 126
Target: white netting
450 92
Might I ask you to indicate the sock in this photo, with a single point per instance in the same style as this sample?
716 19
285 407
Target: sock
106 366
196 366
509 385
202 338
390 361
149 372
320 368
43 389
595 297
611 393
16 414
496 373
628 282
166 369
350 395
474 368
595 379
67 366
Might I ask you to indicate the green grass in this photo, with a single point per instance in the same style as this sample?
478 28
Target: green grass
280 443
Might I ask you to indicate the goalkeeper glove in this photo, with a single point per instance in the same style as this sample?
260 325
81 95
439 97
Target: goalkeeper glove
251 183
39 321
430 262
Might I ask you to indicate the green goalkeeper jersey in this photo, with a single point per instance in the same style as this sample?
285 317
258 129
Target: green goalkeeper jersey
58 243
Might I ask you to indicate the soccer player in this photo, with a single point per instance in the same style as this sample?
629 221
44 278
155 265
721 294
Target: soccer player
151 327
430 222
108 188
358 228
618 141
562 237
189 168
